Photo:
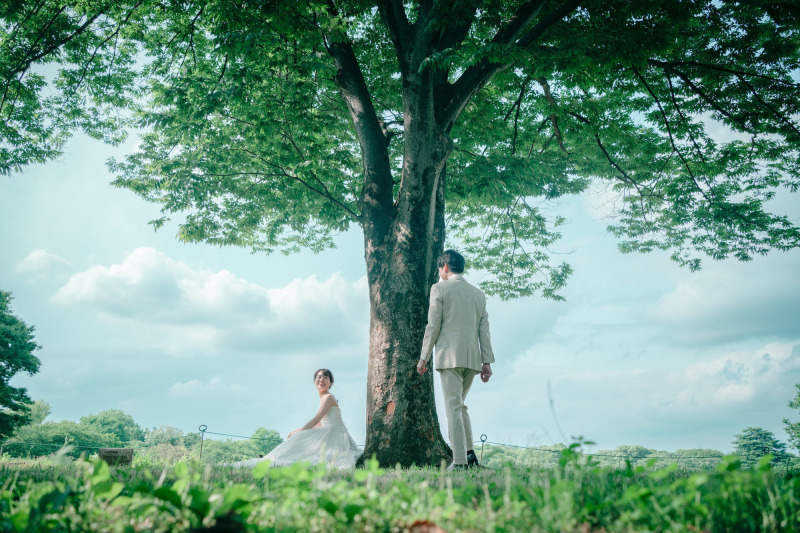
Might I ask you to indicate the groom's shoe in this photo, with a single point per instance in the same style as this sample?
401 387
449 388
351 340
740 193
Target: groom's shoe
452 467
472 460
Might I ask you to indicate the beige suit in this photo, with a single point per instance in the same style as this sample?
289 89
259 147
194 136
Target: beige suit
458 327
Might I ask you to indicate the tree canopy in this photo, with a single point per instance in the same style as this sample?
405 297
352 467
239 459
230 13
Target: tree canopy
251 131
115 422
754 443
17 345
39 410
35 440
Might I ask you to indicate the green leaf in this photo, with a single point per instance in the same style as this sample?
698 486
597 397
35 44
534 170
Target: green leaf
100 472
261 469
168 495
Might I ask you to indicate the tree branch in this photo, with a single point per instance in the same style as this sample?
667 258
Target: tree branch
34 10
553 117
712 203
668 64
518 105
559 13
325 193
378 186
455 33
669 133
26 62
97 48
453 101
683 117
394 15
670 67
777 113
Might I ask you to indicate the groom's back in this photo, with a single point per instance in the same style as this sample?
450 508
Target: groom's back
458 344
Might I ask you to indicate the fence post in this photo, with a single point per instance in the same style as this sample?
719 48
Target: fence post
483 441
202 429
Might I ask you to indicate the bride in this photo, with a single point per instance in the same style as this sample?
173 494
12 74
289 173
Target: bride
323 439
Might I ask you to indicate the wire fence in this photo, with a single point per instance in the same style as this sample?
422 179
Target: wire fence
199 437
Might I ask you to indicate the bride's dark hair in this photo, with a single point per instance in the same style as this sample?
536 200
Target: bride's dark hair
326 372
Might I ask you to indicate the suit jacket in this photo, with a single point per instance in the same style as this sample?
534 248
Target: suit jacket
458 326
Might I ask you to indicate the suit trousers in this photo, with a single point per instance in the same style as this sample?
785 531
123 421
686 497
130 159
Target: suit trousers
456 383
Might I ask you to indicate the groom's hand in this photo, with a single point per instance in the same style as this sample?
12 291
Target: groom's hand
422 367
486 372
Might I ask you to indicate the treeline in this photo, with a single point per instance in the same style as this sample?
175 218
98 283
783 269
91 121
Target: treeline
549 456
167 445
750 447
114 428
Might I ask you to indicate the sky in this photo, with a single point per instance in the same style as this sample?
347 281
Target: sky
642 352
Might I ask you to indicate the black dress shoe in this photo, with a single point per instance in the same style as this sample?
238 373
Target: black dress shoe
472 460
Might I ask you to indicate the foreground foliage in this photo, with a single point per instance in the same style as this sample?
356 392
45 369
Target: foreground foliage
575 496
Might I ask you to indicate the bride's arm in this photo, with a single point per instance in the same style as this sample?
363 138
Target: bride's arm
328 402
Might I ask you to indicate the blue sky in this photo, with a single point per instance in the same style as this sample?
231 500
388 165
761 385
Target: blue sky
642 352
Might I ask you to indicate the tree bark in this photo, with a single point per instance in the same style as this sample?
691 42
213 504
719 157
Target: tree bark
402 425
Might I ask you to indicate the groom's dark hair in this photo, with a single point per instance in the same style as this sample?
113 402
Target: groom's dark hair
326 372
454 260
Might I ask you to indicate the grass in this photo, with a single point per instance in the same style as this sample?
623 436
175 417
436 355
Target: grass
577 495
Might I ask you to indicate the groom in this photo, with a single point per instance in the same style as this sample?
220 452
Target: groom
458 326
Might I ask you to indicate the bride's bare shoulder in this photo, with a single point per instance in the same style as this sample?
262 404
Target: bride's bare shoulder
330 399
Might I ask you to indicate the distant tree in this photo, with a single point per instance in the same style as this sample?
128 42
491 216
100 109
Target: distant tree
632 452
164 434
223 451
16 355
38 411
754 443
191 439
165 444
44 439
793 428
115 422
264 440
500 456
542 456
165 453
698 458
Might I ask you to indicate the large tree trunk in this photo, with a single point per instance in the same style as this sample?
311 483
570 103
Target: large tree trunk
402 425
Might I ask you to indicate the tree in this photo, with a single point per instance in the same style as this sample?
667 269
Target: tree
754 443
115 422
698 458
39 410
264 440
276 125
164 434
216 452
793 428
16 355
49 437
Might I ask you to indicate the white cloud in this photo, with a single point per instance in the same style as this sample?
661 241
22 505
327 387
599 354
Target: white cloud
732 301
150 287
41 262
184 309
196 388
733 380
676 405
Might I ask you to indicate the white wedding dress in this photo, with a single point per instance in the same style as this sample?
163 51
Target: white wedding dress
329 444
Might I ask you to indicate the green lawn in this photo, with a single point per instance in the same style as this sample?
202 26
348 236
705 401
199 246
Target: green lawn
577 495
